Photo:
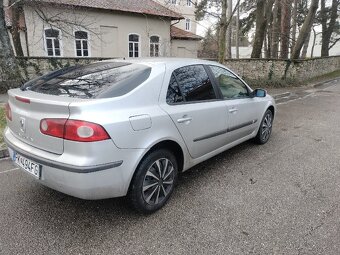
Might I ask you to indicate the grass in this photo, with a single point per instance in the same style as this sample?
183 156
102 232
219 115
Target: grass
288 83
326 77
2 125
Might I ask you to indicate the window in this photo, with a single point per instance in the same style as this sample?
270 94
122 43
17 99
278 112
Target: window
97 80
231 86
187 24
189 3
133 46
52 42
174 1
82 44
174 94
190 83
154 46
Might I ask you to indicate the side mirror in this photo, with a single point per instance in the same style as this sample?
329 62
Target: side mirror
259 93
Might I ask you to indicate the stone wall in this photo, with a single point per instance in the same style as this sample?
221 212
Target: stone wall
276 72
258 71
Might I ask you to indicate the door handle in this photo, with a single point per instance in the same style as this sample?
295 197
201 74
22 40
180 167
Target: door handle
233 110
184 120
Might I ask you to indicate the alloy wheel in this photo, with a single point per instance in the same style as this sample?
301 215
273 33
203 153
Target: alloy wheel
158 181
267 127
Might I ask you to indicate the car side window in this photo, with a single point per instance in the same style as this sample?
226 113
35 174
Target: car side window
194 84
230 86
174 94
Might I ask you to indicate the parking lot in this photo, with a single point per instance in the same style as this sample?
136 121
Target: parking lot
279 198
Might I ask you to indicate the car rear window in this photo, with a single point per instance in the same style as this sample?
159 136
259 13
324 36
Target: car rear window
98 80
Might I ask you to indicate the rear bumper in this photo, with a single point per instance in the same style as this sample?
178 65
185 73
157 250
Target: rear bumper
98 181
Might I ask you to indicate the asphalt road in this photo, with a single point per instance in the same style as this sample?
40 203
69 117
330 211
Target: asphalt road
279 198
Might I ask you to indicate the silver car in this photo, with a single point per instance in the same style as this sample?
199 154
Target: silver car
129 127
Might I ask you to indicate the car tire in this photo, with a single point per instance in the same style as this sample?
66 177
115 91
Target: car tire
265 129
154 181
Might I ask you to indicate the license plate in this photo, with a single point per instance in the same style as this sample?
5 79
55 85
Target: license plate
26 164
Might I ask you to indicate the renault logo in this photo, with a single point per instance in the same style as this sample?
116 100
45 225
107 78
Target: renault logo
22 125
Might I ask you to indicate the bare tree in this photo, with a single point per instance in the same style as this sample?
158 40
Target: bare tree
275 30
286 6
327 30
305 30
305 46
229 30
9 70
10 74
260 32
263 12
314 42
222 33
237 43
208 8
15 29
294 24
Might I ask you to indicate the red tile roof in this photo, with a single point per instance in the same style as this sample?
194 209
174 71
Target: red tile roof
148 7
177 33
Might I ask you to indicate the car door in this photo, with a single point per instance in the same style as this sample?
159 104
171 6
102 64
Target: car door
199 115
245 111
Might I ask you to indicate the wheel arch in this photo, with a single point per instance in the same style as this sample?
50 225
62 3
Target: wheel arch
169 144
272 109
172 146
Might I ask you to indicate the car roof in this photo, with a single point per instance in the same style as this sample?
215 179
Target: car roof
169 62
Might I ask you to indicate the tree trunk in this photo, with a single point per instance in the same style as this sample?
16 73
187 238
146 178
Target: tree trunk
328 30
263 13
305 30
275 31
9 70
229 30
222 33
259 33
305 46
15 31
294 25
265 45
238 33
314 41
268 35
285 27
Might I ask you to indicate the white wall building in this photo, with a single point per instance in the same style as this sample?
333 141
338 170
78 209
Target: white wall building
185 41
96 28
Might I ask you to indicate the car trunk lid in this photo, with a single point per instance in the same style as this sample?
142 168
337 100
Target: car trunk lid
28 109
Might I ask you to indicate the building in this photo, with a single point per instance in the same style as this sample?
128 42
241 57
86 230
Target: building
185 42
99 28
187 9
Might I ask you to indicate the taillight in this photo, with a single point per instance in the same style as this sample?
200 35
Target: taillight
53 127
74 130
8 111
